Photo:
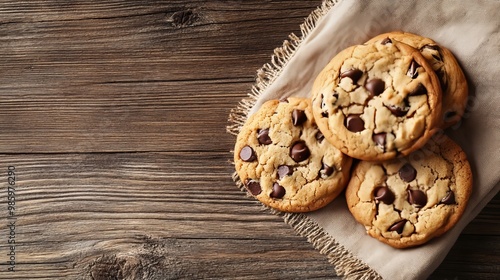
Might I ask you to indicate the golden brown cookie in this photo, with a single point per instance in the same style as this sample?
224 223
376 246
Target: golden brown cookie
377 101
408 201
284 161
443 62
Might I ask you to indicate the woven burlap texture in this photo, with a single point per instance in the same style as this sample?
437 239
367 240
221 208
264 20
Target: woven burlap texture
468 29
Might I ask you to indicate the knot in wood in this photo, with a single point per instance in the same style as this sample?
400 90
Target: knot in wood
184 18
116 267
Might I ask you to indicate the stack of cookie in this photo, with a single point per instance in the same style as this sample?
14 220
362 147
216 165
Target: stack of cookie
381 104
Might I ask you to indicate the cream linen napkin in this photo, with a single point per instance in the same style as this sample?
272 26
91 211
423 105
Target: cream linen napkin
471 30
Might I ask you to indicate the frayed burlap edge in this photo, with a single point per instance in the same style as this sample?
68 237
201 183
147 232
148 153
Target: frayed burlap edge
346 265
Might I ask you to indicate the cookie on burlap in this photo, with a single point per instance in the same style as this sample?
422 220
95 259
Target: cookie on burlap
408 201
377 101
284 161
443 62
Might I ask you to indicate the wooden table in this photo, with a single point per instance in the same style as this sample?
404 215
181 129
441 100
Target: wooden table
112 121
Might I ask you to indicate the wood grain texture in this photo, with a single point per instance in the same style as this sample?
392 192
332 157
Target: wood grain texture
113 114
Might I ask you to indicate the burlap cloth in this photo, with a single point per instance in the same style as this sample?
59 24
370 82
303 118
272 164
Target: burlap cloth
470 29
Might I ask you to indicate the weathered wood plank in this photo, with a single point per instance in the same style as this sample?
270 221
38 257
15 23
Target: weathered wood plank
124 74
120 117
472 257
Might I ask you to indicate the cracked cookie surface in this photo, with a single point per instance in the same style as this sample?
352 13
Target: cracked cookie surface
407 201
284 161
377 101
443 62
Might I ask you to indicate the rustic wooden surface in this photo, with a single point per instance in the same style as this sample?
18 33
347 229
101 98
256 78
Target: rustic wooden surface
112 117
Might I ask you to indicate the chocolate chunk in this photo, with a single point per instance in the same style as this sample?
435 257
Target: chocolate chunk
284 170
412 70
398 226
263 137
386 41
353 74
384 194
324 114
326 171
419 90
319 136
379 138
278 191
375 86
449 198
299 151
298 117
247 154
397 111
417 198
407 173
354 123
253 187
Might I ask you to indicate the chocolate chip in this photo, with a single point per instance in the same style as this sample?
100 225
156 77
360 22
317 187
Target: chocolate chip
449 198
319 136
323 114
417 198
419 90
407 173
449 115
326 171
375 86
436 48
253 187
432 47
397 111
437 57
278 191
284 170
379 138
386 41
353 74
247 154
299 151
384 194
263 137
398 226
298 117
412 70
354 123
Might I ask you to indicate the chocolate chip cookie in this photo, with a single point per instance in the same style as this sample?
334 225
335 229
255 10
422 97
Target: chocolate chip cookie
377 101
284 161
443 62
408 201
